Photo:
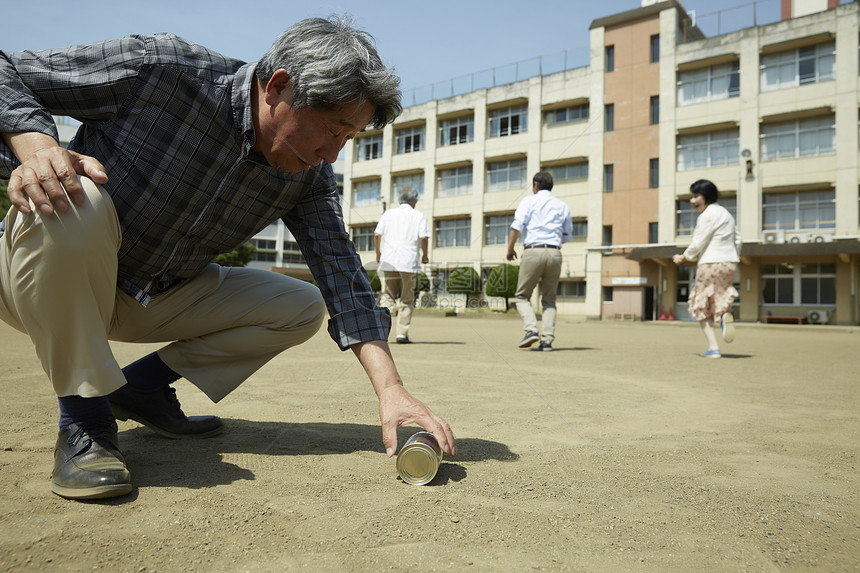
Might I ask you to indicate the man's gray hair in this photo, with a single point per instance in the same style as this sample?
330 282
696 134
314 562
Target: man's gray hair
332 63
409 195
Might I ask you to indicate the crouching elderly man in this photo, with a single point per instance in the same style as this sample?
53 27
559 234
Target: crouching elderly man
183 154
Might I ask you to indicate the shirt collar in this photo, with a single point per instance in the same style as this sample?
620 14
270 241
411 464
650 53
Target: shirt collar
241 101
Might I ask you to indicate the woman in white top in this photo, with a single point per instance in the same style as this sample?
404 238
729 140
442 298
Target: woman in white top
715 246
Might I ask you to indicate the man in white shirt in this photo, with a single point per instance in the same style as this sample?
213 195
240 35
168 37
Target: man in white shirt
545 224
402 230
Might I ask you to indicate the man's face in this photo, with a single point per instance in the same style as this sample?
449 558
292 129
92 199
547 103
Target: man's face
294 140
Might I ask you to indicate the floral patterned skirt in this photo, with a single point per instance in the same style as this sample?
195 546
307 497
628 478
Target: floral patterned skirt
713 294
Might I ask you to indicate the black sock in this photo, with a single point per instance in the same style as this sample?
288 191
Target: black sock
81 410
149 373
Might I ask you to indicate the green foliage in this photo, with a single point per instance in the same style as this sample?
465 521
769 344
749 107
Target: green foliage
421 283
375 282
237 258
502 281
464 280
4 198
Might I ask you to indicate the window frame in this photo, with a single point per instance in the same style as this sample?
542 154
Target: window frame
454 174
368 148
508 121
461 233
405 139
728 73
463 123
510 167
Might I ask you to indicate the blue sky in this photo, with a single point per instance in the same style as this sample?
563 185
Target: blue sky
426 42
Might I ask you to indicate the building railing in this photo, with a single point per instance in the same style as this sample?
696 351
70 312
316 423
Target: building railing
564 60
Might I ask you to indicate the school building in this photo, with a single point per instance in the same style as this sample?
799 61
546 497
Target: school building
768 112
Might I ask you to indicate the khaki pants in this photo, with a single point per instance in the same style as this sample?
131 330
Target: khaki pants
539 266
58 285
392 281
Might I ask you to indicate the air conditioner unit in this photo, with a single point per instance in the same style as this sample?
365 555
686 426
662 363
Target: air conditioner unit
773 237
821 238
818 316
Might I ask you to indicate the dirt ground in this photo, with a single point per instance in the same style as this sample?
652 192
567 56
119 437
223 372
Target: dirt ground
622 450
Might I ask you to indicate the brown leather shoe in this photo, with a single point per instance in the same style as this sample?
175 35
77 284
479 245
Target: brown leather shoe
160 411
88 463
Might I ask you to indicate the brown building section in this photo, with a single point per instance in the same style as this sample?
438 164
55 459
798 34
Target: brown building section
631 206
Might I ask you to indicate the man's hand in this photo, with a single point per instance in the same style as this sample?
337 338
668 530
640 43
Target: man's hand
48 174
397 407
512 254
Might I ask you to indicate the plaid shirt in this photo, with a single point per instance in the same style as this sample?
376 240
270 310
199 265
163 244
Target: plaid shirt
171 122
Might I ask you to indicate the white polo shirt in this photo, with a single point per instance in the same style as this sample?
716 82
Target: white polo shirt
402 229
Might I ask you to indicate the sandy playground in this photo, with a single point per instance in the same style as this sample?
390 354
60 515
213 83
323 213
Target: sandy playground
622 450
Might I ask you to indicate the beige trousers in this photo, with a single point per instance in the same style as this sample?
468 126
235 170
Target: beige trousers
539 266
392 282
58 285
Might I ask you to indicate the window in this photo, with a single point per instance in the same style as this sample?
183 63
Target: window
509 121
609 117
610 58
712 149
416 181
267 250
569 171
607 294
505 175
800 138
567 114
655 110
655 48
608 178
580 228
366 193
687 215
456 131
607 235
368 148
798 67
293 254
799 211
497 229
653 229
410 139
799 283
710 84
653 173
571 289
456 181
363 237
453 232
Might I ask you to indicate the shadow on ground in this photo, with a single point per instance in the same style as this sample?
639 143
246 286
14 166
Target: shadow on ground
159 462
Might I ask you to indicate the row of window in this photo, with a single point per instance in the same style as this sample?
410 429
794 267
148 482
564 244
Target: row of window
792 139
788 140
797 211
787 69
458 232
788 284
501 176
501 123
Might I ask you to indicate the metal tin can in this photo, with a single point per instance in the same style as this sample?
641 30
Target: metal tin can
419 459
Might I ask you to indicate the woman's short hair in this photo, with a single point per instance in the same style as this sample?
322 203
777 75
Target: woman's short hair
706 189
409 195
331 63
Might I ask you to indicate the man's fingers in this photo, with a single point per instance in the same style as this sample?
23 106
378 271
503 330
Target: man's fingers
389 439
